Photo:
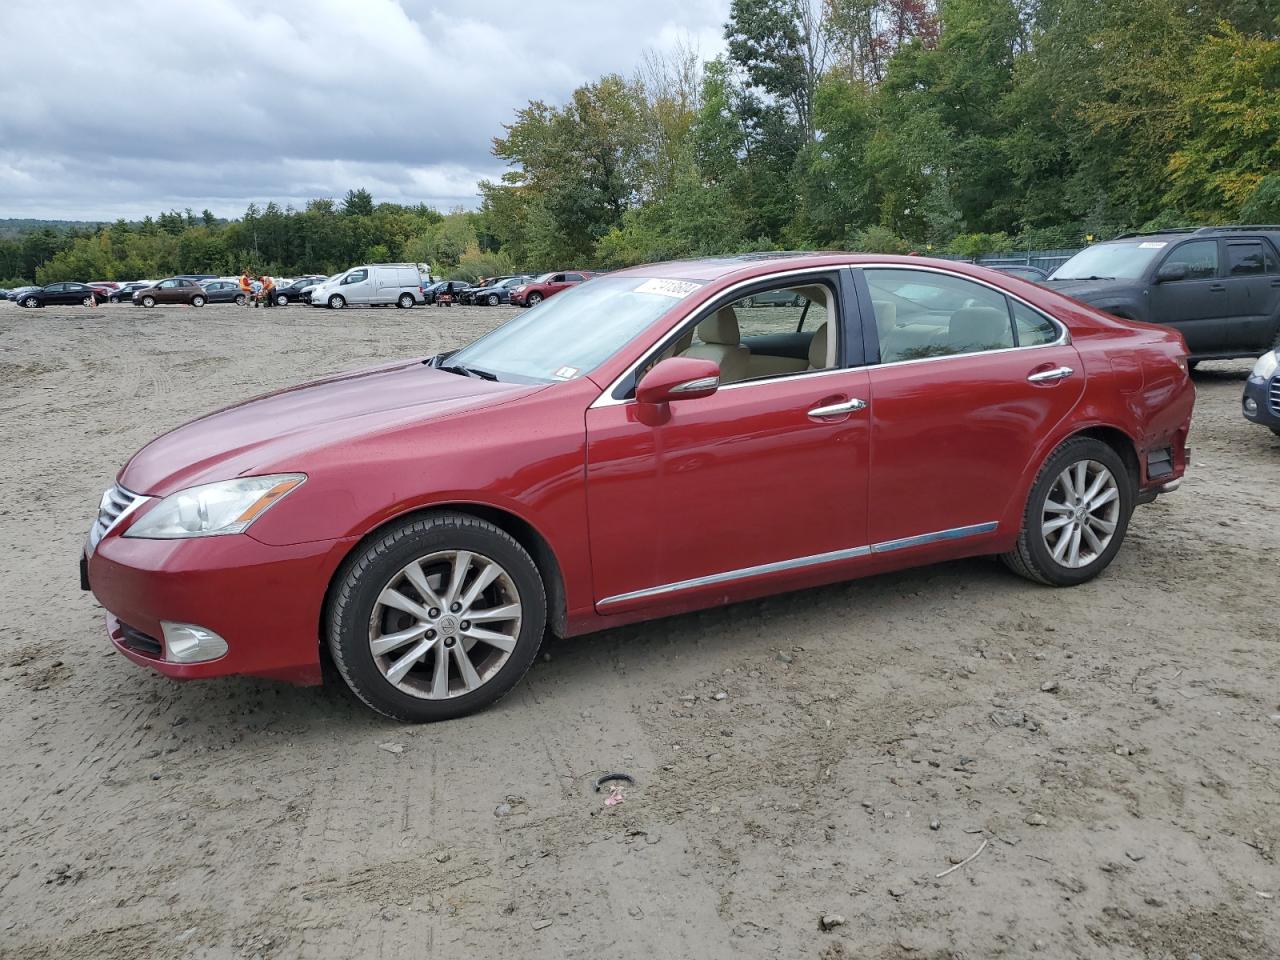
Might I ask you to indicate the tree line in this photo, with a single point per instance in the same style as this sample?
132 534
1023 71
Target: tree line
959 126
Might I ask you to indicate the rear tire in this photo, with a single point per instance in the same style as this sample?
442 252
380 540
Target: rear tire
336 302
113 299
241 299
405 301
410 553
197 301
1052 505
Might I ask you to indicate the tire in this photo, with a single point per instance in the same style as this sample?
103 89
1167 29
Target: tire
282 301
113 299
197 301
534 299
89 301
337 302
493 300
405 302
356 618
148 302
241 299
1033 557
31 302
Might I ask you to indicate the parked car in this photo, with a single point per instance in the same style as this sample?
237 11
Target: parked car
448 288
375 284
548 285
1262 391
499 292
106 284
224 291
102 291
1217 286
477 293
172 290
58 294
436 518
1023 271
17 292
291 292
125 292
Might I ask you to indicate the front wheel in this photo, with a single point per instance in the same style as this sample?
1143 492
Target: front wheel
197 301
113 299
336 302
405 301
31 302
282 301
494 300
437 618
1076 515
148 301
534 299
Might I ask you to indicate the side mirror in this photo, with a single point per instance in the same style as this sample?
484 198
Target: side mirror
1171 271
679 378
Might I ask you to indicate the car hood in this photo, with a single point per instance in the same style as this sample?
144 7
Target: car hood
1089 290
277 431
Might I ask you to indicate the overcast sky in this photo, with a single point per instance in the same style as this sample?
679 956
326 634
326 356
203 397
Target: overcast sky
122 108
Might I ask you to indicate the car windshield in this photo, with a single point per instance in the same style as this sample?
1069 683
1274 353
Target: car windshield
545 278
573 332
1110 261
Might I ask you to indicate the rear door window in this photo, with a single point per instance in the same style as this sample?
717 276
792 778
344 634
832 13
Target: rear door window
1244 259
921 313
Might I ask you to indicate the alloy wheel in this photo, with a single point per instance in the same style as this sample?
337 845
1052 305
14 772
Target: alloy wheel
494 300
148 301
31 302
1081 513
197 301
445 624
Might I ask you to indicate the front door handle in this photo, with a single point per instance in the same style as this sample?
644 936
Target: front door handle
1217 287
839 409
1049 376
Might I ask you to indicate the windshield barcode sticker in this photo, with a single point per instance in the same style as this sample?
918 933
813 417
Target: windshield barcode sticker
668 288
1152 245
566 373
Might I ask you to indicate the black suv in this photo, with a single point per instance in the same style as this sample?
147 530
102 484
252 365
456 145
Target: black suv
1217 286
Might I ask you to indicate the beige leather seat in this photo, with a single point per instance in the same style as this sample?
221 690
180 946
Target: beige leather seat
722 342
979 328
818 348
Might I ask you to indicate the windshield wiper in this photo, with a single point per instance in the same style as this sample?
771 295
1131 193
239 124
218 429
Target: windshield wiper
1082 278
469 371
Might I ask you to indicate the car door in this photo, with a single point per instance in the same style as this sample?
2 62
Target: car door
1197 306
703 497
1249 269
166 291
54 294
355 286
967 383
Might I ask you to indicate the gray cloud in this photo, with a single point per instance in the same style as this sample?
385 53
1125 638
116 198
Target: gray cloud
175 103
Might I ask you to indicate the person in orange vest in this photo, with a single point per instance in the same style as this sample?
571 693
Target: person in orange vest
268 291
246 286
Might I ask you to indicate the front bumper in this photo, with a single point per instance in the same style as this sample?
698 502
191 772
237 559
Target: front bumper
1265 395
265 601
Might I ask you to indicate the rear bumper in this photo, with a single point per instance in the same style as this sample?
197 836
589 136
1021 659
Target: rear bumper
265 601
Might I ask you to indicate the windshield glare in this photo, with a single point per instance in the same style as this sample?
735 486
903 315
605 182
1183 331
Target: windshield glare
1116 261
573 332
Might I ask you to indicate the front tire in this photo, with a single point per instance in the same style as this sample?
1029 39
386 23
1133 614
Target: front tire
1076 515
31 302
282 301
148 302
437 618
494 299
336 302
534 299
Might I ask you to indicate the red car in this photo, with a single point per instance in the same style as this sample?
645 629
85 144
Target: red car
643 446
549 284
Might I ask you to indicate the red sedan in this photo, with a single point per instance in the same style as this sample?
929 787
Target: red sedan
548 285
642 445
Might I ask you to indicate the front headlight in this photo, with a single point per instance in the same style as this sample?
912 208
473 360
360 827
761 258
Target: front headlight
1266 366
214 509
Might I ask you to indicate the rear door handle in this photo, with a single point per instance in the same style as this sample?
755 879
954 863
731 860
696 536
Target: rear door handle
1048 376
1217 287
839 409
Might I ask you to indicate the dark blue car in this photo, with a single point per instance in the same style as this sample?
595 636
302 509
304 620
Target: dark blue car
1262 392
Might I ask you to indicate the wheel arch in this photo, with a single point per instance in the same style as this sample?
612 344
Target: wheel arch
1121 443
523 532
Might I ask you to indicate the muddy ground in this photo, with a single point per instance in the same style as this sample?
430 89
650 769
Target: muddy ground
1116 746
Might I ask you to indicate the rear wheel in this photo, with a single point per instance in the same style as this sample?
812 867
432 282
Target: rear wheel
148 301
113 299
197 301
89 301
241 299
405 301
336 302
437 618
1076 515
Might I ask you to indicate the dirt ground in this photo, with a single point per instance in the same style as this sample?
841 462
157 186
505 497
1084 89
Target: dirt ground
1113 750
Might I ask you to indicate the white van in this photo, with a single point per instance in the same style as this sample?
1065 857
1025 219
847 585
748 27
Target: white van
379 284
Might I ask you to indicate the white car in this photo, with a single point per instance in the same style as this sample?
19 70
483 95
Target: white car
380 284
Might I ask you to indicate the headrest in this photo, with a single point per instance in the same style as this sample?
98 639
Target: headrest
886 313
721 327
979 328
818 348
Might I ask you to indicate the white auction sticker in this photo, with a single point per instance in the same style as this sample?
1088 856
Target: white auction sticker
668 288
566 373
1152 244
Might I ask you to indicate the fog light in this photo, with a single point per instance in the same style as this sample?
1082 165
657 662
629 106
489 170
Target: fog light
1250 405
188 643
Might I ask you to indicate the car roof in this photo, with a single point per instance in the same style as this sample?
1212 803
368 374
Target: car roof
747 265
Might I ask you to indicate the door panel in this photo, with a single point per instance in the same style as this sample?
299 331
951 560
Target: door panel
1254 292
951 438
1197 307
736 480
